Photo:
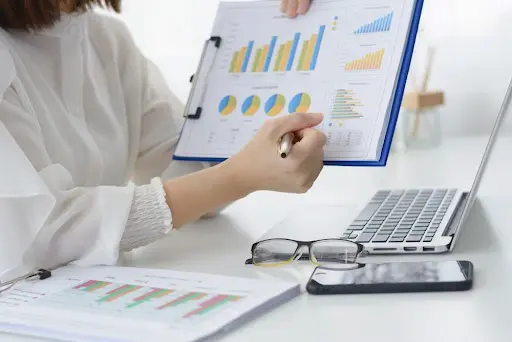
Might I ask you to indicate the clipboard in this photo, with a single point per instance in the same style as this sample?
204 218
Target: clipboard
194 105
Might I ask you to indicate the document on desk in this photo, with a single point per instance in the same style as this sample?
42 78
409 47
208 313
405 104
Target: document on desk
131 304
347 59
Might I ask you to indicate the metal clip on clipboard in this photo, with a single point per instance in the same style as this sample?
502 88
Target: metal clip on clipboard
193 107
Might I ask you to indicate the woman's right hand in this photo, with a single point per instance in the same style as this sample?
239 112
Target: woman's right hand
259 166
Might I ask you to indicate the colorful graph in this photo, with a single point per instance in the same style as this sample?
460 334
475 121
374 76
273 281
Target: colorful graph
130 300
240 59
251 105
258 59
286 54
381 24
227 105
345 105
263 56
371 61
300 103
211 304
275 104
310 51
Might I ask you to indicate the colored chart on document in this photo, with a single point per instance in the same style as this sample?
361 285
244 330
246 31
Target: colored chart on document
335 61
136 301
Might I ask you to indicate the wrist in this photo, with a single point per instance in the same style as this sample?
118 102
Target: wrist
235 180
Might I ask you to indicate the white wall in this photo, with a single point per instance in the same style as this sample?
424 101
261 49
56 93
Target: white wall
473 63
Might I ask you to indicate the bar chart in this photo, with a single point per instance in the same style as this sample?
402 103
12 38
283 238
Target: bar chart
310 50
345 105
278 56
370 61
132 300
382 24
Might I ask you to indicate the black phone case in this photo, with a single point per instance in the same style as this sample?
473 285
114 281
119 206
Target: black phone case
314 287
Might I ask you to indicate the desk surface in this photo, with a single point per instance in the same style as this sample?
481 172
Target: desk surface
220 245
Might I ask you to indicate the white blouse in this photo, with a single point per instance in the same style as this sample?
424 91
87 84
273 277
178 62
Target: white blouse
83 116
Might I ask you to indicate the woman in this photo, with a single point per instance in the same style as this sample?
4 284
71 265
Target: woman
87 131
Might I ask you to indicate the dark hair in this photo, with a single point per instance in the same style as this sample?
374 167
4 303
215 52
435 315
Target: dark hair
39 14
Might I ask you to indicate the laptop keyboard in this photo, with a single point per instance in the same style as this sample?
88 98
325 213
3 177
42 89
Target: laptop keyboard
412 215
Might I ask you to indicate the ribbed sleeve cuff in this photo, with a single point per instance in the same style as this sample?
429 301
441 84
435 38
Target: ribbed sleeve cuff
150 217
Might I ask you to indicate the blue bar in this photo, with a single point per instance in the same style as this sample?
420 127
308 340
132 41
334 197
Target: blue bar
270 52
292 52
247 56
317 47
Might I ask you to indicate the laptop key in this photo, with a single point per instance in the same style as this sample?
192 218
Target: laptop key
380 238
365 237
368 211
414 238
428 238
399 236
360 222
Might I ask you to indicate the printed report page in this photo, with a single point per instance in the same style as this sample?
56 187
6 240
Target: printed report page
341 59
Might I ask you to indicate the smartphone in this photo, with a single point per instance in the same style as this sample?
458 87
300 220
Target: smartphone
394 277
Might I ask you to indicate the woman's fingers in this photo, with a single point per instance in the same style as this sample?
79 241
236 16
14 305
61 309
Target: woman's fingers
293 7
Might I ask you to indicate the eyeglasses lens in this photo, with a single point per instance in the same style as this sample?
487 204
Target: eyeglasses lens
334 253
274 252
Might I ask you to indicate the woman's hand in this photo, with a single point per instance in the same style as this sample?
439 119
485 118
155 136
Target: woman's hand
259 166
294 7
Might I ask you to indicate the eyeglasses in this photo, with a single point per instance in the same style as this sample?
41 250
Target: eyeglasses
328 253
41 274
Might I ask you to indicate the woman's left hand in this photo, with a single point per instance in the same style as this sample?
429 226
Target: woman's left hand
294 7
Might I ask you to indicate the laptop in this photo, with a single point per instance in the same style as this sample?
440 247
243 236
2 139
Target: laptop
399 221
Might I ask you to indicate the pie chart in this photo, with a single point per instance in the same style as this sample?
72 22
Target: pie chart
251 105
300 103
227 105
274 105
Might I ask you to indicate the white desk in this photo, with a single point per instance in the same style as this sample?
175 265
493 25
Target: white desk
220 245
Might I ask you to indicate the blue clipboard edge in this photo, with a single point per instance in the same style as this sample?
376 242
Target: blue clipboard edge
395 108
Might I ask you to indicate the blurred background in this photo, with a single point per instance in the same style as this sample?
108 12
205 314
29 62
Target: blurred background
472 63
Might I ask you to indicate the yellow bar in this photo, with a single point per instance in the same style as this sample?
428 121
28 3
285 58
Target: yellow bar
279 56
263 58
233 61
286 54
309 54
240 59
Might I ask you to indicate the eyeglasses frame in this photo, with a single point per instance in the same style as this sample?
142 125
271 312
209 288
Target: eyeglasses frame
300 243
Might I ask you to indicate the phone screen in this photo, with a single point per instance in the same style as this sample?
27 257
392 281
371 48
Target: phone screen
399 272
